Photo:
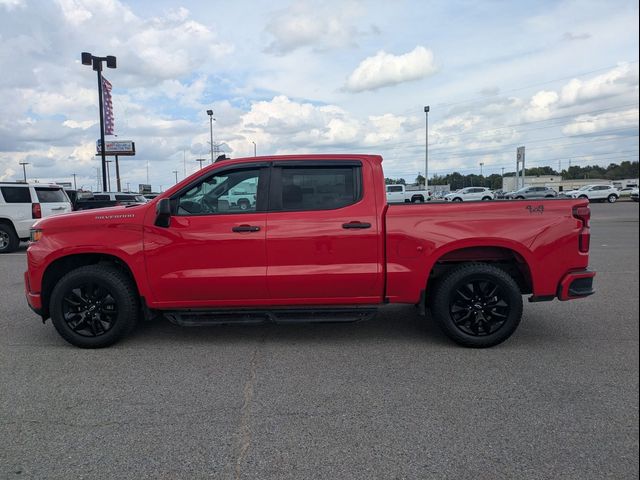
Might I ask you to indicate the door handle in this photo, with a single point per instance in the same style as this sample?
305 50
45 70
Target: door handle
356 225
59 208
245 228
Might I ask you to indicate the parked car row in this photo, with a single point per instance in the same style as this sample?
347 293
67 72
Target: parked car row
594 193
88 200
21 204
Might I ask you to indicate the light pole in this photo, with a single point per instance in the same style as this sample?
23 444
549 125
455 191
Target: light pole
211 119
254 149
176 172
89 59
200 160
74 181
426 148
24 170
481 165
107 162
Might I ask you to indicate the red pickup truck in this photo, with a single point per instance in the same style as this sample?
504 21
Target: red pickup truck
319 243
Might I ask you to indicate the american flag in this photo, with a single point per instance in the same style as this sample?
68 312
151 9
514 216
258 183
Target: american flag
108 107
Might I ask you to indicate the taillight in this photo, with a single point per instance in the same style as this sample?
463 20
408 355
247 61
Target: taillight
583 214
36 210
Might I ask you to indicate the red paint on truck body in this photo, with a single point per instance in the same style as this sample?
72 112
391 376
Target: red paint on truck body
307 257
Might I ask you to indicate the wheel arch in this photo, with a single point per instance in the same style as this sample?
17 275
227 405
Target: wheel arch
8 222
63 265
509 258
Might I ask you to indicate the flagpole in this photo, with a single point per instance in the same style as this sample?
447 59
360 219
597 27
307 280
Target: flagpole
102 144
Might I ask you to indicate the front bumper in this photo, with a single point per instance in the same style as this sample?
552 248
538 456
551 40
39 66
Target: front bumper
34 300
576 285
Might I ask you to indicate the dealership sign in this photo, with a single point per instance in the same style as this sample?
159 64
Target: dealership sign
117 147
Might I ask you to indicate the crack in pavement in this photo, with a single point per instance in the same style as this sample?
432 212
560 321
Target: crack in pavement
244 437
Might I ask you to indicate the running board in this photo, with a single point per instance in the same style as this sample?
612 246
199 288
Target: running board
200 318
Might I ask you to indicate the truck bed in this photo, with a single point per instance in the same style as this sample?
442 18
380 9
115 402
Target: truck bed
541 234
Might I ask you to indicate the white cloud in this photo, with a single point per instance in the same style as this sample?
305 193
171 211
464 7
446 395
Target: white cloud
586 124
614 82
11 4
385 69
540 106
313 24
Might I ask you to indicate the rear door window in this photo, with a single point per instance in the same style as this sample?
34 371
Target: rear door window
51 195
319 188
394 189
16 194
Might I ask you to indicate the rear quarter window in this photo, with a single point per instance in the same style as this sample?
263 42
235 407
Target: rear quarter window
51 195
16 194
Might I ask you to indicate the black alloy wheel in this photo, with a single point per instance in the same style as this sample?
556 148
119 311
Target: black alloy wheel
479 307
90 310
94 306
476 304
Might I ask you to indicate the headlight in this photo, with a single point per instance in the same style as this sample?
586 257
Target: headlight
35 235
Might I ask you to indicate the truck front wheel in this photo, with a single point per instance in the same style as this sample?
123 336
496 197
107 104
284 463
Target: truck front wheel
477 305
94 306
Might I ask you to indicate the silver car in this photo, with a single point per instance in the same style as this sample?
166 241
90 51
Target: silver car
533 192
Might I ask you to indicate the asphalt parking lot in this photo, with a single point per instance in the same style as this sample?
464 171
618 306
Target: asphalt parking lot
388 398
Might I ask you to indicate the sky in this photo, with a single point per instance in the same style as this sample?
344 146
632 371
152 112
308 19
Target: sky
291 77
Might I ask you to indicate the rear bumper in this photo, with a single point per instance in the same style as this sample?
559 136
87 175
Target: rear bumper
576 285
34 300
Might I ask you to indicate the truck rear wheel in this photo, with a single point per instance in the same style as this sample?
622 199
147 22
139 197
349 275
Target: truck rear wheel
94 306
477 305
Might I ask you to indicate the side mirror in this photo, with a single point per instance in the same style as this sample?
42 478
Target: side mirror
163 213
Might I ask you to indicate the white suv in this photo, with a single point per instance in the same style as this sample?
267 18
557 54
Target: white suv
469 194
602 193
21 204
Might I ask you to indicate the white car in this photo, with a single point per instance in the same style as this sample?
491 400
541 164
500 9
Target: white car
626 191
401 194
634 195
602 193
469 194
21 204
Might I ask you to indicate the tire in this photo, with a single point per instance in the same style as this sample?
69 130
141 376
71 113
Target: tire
519 198
417 199
612 198
457 199
244 205
477 305
9 240
82 292
583 197
486 199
